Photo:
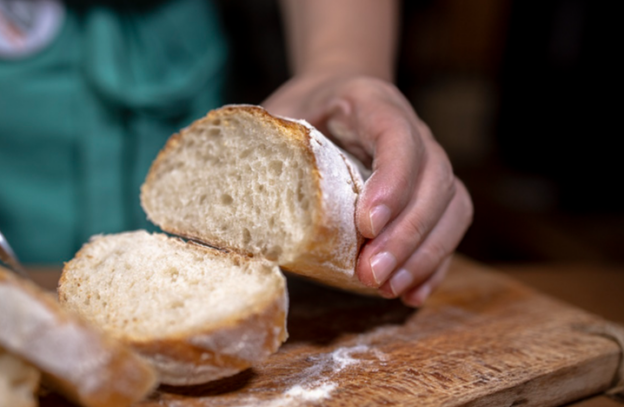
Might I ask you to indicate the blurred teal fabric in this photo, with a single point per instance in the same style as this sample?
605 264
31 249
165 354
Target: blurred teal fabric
81 120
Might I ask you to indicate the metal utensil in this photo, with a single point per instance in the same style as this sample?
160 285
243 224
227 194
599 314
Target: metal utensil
7 255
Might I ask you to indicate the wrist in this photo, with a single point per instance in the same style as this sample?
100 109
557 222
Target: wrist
343 66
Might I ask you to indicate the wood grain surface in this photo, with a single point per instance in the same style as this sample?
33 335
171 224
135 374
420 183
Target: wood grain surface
482 339
594 287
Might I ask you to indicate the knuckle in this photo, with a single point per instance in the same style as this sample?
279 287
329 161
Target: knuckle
467 207
446 174
433 254
415 228
424 129
442 168
364 85
447 180
469 211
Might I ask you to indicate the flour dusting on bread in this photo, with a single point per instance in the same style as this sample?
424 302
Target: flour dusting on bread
77 358
246 181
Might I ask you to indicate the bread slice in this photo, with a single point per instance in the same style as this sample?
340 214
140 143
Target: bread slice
265 186
196 313
75 358
19 381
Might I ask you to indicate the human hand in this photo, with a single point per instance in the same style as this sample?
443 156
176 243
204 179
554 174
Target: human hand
413 208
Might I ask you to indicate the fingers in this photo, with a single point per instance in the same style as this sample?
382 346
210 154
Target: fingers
412 207
379 129
412 181
417 296
413 279
399 155
434 190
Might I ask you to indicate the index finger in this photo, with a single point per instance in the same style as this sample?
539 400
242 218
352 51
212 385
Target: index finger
377 125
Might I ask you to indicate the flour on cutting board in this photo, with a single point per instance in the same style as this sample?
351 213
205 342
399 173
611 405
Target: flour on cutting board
315 383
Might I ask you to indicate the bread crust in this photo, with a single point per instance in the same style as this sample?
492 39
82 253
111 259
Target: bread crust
221 352
19 381
76 358
211 352
329 252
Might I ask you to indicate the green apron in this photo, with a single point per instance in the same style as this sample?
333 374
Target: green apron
82 119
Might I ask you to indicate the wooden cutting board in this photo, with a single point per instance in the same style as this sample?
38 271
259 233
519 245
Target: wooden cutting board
481 340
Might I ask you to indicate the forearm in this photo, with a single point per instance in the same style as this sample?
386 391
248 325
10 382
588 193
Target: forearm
341 36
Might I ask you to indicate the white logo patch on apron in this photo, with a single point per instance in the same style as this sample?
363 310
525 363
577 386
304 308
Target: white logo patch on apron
26 26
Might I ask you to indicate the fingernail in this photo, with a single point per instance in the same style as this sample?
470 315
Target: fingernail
382 265
401 280
379 216
422 294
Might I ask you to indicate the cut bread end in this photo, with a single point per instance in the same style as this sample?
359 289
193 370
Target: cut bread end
196 313
236 180
260 185
19 381
75 358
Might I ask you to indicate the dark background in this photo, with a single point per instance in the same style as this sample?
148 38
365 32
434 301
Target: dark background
523 95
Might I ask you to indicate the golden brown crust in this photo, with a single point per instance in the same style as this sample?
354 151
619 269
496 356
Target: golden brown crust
221 352
19 381
81 362
291 129
313 261
322 256
213 352
319 251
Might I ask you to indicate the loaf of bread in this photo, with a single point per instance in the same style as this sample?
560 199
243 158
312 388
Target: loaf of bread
196 313
75 358
19 381
244 180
